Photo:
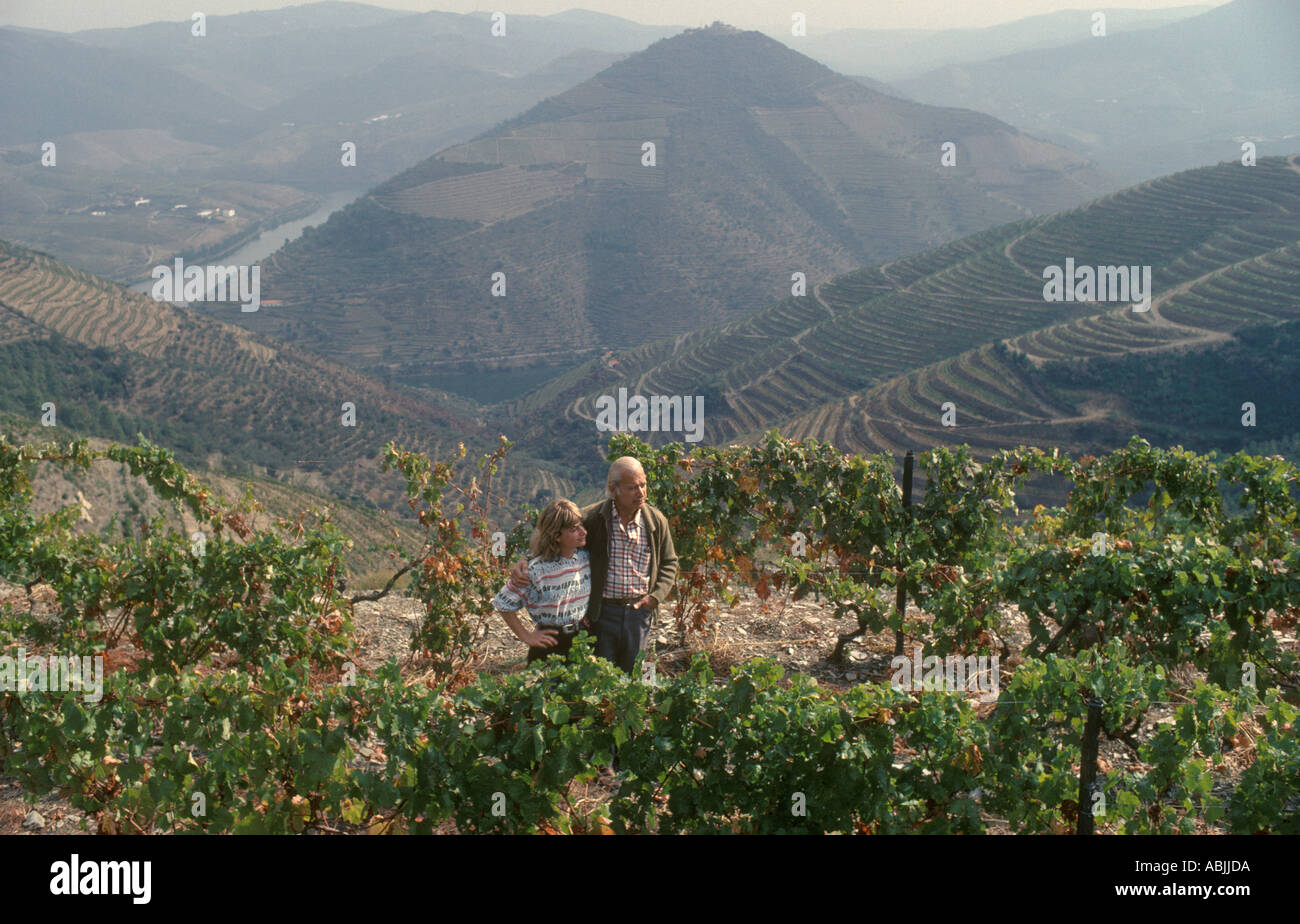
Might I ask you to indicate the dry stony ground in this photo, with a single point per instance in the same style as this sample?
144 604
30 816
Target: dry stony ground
799 635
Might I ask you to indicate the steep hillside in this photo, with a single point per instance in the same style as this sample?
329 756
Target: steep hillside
868 360
114 363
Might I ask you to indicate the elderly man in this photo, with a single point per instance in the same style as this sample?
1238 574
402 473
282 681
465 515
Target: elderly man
633 564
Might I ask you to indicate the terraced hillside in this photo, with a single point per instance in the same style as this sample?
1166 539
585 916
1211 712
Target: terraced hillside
115 363
868 360
766 163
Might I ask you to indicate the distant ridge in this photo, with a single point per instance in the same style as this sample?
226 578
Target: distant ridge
1149 102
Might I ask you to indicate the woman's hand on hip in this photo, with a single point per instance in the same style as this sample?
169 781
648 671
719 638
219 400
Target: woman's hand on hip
541 638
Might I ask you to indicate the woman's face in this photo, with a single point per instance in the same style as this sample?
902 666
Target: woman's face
572 538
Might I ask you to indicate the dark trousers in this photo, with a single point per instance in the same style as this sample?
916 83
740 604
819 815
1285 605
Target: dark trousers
621 633
563 642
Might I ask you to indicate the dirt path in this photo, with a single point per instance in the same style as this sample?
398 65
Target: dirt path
1006 252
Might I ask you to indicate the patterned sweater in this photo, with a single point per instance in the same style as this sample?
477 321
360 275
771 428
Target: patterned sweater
558 593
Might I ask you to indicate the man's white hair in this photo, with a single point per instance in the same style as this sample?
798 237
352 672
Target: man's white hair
622 464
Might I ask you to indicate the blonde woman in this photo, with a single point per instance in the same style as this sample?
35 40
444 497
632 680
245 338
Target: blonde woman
559 583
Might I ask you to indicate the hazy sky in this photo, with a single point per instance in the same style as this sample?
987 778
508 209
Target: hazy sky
767 15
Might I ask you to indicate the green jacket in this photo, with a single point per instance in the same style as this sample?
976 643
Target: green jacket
598 519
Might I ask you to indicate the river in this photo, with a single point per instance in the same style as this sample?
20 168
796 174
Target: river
271 240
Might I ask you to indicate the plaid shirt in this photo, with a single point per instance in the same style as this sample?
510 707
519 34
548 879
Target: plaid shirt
629 558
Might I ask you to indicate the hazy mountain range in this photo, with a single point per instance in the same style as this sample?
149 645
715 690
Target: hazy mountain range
896 54
252 115
765 164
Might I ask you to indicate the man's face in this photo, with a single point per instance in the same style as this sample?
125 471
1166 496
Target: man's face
629 493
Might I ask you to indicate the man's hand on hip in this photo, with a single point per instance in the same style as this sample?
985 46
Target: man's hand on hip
646 602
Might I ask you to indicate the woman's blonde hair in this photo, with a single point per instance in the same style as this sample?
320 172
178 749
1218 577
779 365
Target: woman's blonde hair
558 516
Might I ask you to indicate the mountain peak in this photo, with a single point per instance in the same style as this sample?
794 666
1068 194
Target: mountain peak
724 63
714 162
